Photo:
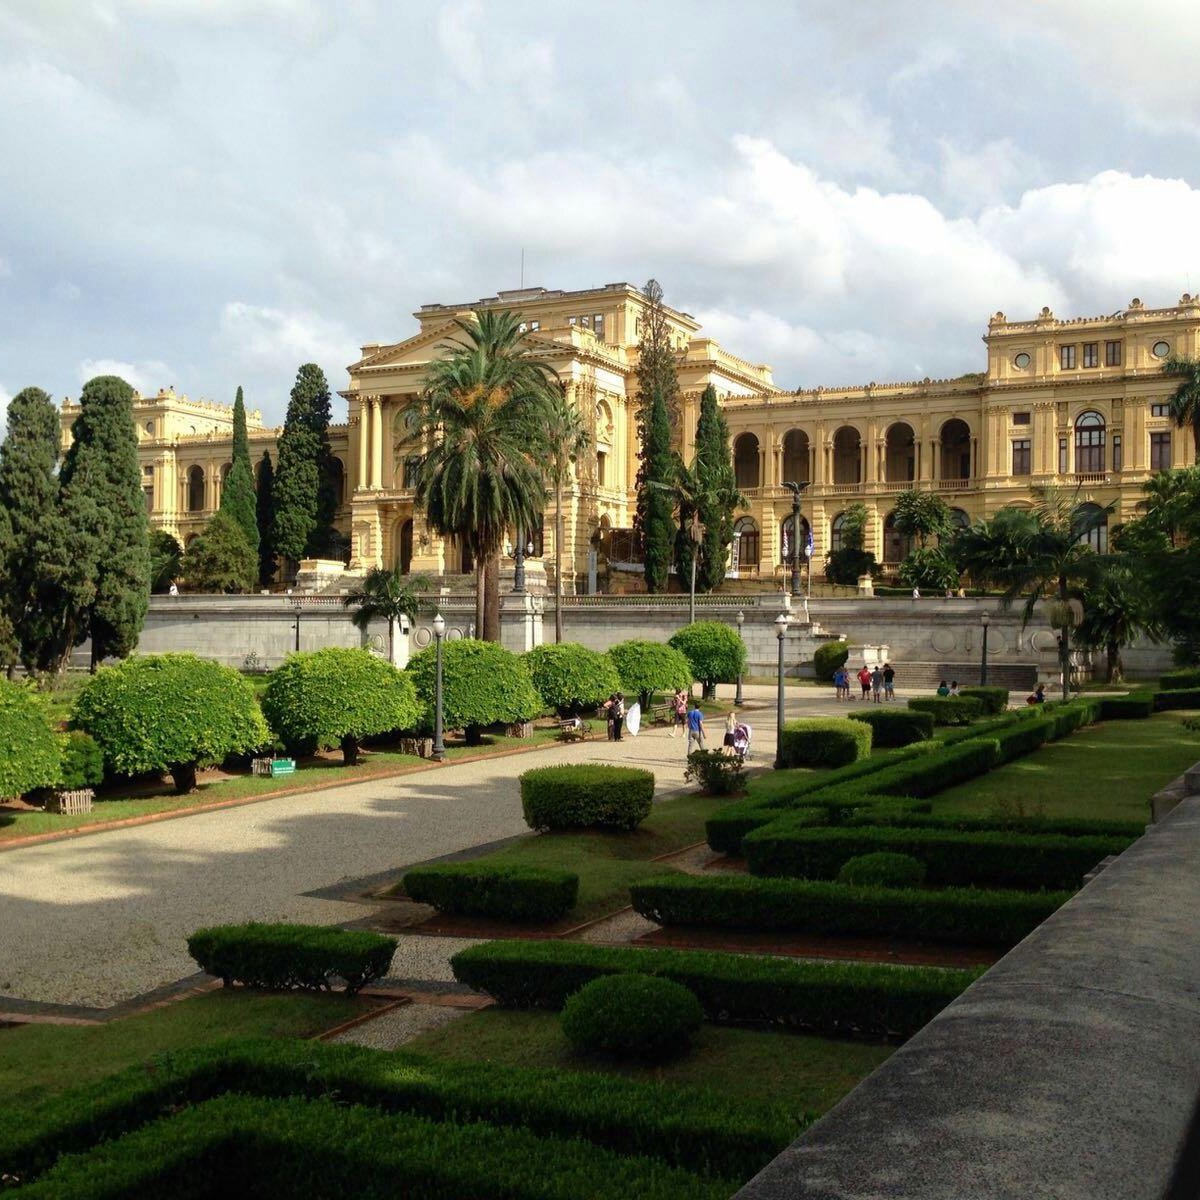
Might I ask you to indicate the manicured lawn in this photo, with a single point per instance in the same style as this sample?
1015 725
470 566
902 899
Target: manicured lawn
808 1074
607 863
777 785
37 1060
1109 770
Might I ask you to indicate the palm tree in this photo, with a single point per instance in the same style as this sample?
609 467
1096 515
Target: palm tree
1117 611
481 418
1170 500
384 595
1185 403
566 438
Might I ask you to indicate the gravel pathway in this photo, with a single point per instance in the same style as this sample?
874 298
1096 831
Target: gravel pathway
400 1025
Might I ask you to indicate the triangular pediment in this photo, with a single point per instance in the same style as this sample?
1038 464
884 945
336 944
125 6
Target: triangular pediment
412 351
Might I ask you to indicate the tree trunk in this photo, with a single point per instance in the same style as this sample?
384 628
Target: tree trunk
392 640
558 539
491 606
473 735
184 775
480 595
1116 671
349 751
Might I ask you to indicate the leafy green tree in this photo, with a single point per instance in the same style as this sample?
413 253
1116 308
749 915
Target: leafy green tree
29 748
1117 610
647 667
928 567
105 510
170 713
921 515
220 559
385 595
237 496
482 684
658 395
571 678
847 564
265 516
566 438
1171 502
854 526
482 419
1185 403
337 697
715 652
303 496
166 560
719 496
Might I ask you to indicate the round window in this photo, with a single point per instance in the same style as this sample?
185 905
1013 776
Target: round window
1161 349
150 427
1021 361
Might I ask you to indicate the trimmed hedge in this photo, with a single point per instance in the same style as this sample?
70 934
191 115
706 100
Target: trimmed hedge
834 998
326 1151
570 678
993 699
827 657
639 1017
820 742
883 869
690 1127
1058 826
964 916
280 956
1022 739
587 796
948 710
1028 861
513 893
932 773
1134 707
893 727
1177 698
30 752
1173 681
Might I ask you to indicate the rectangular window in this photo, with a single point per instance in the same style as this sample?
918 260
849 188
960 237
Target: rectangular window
1022 464
586 322
534 326
1091 354
1021 418
1118 452
598 326
1112 354
1160 410
1063 459
1066 357
570 320
410 471
601 463
1160 452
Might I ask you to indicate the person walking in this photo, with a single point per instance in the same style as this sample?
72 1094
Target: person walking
864 679
889 682
839 682
695 727
877 684
727 745
678 712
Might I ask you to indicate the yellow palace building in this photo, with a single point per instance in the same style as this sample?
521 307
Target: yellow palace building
1079 402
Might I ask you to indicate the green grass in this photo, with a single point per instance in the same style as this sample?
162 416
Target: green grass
39 1060
1109 770
778 785
804 1073
607 863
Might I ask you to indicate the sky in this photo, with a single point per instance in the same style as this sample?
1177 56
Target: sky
207 193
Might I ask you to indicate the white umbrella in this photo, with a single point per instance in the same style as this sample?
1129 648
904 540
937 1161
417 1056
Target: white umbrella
633 719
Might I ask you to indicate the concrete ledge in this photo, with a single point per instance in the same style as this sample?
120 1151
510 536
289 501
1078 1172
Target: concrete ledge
1071 1071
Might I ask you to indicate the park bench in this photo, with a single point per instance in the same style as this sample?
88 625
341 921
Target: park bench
660 714
573 731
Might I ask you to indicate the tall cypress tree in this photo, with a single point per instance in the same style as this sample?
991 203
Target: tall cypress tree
266 522
304 489
103 505
717 484
237 497
658 392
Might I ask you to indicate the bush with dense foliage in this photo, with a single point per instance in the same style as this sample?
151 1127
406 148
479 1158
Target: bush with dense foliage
169 712
892 727
717 773
586 796
847 565
571 678
869 999
1126 831
1189 677
30 753
1133 707
336 697
648 667
824 742
883 868
221 558
1177 698
279 957
510 892
689 1127
993 699
827 657
82 762
948 710
716 652
638 1017
928 567
966 916
482 684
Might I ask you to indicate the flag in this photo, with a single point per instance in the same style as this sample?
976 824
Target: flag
808 546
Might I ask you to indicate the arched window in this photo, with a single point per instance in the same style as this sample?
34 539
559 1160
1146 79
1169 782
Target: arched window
847 455
795 456
745 461
955 437
1097 535
900 455
836 530
959 519
748 542
896 547
404 547
1089 444
195 489
787 544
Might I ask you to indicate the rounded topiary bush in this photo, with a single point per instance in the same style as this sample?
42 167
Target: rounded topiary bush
570 678
891 727
632 1017
824 742
715 652
648 667
30 753
883 869
169 712
587 796
828 657
337 697
82 762
482 684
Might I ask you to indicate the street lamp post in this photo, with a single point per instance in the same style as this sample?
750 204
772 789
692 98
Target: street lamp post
519 562
439 748
781 625
796 489
741 620
983 620
296 608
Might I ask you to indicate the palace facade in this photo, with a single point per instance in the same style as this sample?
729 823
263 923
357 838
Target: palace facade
1079 402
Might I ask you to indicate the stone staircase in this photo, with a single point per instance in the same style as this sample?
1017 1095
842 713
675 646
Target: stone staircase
1017 677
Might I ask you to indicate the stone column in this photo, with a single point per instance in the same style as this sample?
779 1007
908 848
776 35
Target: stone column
362 481
376 443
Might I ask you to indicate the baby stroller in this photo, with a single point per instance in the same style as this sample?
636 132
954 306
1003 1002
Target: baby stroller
741 740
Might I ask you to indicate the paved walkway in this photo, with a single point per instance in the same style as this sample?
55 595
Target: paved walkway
101 919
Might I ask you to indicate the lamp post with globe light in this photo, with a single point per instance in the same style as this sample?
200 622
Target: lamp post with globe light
983 621
439 748
741 620
781 625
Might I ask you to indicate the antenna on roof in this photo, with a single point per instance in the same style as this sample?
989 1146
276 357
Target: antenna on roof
522 268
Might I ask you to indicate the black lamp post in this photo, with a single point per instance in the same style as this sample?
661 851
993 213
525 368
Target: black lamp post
741 620
781 624
796 489
439 748
983 620
296 608
519 561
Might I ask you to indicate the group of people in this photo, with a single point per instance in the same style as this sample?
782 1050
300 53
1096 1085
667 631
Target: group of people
877 684
614 715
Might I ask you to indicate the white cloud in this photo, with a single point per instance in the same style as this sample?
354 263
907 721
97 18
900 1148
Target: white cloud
5 268
146 377
275 341
983 175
